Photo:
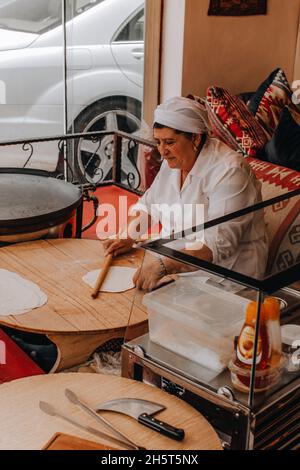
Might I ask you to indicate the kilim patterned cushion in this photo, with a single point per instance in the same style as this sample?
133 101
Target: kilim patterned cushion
149 162
233 123
283 219
270 99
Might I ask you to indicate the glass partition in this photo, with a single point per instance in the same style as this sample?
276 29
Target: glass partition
105 65
70 66
228 239
229 321
31 77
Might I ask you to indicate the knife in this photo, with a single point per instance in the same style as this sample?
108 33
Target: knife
73 398
143 411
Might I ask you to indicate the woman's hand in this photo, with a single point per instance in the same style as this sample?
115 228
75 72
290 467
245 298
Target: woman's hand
117 246
150 276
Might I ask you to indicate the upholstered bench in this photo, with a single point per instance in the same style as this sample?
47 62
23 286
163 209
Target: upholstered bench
283 219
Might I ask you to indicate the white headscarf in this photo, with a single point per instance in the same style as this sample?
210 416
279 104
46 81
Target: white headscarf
183 114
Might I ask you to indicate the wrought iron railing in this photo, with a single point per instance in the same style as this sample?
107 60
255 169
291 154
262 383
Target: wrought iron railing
110 149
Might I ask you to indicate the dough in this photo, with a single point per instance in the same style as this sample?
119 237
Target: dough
18 295
118 279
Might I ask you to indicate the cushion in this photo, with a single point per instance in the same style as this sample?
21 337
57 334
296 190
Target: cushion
282 219
148 159
270 99
149 163
233 123
284 147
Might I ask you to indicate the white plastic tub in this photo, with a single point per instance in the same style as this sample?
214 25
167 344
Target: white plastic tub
196 320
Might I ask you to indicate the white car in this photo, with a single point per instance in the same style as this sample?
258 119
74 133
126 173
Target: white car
105 54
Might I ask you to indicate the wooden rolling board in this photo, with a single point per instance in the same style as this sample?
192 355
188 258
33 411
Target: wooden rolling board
58 266
75 322
27 427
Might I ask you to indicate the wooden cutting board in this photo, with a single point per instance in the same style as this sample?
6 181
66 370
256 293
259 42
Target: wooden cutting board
28 428
62 441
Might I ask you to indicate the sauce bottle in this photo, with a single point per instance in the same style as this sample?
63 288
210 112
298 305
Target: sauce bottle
245 344
268 354
272 308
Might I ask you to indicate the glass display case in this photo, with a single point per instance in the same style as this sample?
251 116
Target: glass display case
224 331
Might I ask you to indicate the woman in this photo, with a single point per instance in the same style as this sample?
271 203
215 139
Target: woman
199 171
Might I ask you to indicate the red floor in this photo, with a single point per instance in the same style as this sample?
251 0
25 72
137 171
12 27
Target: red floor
17 363
107 195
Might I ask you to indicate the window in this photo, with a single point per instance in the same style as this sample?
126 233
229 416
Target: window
39 15
134 29
101 87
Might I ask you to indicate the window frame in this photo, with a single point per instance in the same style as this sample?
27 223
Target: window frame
154 11
124 24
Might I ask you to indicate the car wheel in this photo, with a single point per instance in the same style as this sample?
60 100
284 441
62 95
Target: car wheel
93 160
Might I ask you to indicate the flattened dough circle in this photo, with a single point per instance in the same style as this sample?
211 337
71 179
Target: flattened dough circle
118 279
18 295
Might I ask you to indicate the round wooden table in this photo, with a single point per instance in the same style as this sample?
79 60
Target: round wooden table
27 427
75 322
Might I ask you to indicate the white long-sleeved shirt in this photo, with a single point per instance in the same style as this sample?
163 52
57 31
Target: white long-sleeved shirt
220 182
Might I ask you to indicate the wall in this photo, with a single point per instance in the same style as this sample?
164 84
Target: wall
297 59
172 48
238 52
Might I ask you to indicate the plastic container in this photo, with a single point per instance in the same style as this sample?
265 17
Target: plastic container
264 379
290 335
196 320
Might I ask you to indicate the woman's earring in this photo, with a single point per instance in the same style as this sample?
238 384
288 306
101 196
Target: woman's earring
197 143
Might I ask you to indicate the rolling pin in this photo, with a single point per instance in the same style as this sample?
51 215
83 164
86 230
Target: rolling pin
107 263
102 275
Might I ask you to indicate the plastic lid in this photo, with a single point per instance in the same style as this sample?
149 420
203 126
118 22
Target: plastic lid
200 305
290 333
246 372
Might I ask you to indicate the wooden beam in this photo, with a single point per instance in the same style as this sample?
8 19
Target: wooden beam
153 35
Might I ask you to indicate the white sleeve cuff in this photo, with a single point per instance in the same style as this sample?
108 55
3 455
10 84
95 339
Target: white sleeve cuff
210 241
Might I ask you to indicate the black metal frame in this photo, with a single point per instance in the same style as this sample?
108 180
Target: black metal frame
118 137
62 141
269 284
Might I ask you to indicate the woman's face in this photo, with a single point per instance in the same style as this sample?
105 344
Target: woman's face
177 149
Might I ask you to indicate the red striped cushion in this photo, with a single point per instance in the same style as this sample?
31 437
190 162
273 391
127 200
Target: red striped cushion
233 123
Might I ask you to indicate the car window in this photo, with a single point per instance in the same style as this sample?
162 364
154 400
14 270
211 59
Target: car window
39 15
133 30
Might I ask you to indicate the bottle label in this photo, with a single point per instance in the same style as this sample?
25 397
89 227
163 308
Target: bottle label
245 346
